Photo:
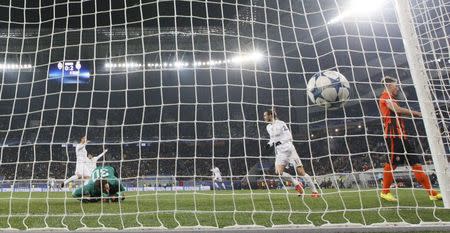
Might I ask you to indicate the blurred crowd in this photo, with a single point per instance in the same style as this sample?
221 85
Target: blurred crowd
187 159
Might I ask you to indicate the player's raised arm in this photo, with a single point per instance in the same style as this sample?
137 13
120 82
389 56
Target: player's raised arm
96 158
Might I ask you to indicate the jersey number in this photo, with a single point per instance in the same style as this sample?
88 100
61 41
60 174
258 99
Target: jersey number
99 173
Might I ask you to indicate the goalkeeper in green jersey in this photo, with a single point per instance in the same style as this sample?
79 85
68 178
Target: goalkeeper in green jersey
103 185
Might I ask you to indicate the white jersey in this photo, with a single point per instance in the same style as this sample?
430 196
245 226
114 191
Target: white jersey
216 172
81 152
278 132
52 182
281 138
91 164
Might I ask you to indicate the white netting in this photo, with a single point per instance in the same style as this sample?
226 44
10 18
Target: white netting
175 88
432 20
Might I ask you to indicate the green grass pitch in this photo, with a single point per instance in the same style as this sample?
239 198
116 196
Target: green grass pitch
216 209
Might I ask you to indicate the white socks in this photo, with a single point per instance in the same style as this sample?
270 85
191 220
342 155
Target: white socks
218 187
310 183
308 180
287 176
72 178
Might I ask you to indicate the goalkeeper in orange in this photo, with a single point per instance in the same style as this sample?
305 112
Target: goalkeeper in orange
400 150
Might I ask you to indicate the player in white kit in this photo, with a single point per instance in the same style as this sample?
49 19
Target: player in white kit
91 161
51 184
81 170
217 178
285 153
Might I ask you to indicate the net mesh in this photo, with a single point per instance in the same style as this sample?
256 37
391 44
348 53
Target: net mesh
175 88
431 23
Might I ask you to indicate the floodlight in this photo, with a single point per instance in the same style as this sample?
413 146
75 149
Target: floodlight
358 8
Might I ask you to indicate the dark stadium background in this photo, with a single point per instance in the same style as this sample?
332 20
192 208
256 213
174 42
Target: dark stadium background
182 122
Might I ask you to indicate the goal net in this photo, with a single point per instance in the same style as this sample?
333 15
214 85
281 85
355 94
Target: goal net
431 20
175 89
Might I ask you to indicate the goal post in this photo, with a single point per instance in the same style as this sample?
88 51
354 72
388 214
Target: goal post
427 105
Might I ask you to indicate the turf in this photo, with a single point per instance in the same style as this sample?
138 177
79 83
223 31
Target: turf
215 209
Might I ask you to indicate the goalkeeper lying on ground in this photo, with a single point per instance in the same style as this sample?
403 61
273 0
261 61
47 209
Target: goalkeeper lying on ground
103 185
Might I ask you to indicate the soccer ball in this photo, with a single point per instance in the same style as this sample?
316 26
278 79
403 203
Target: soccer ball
329 89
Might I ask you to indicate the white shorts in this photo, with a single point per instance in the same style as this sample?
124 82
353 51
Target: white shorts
82 170
286 154
218 179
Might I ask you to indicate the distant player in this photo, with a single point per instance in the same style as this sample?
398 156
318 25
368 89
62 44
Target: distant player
285 153
51 184
217 178
91 161
81 171
104 185
398 144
